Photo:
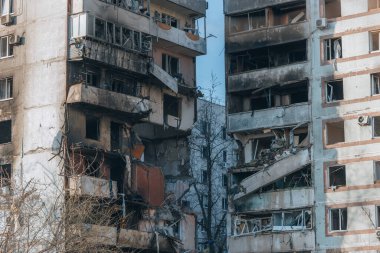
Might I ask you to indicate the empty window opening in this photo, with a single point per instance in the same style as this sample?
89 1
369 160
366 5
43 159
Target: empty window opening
334 91
225 180
116 136
5 175
273 56
292 220
204 177
224 156
6 88
337 176
332 9
377 216
225 204
125 86
332 48
170 64
338 219
172 106
248 21
169 20
6 7
92 128
373 4
92 78
376 165
205 152
335 132
289 13
100 29
375 83
374 36
298 179
376 126
6 50
5 132
259 146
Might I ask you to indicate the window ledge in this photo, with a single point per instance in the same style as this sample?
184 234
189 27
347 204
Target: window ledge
6 99
6 57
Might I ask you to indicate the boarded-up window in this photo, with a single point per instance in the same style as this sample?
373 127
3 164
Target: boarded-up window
335 132
337 176
5 131
338 219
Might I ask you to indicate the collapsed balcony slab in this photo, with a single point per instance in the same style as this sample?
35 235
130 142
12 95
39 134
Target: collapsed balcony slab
274 172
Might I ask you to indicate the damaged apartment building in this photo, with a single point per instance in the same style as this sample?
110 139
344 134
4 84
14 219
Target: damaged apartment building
97 99
303 103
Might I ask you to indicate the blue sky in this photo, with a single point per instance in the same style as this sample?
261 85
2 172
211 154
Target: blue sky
213 62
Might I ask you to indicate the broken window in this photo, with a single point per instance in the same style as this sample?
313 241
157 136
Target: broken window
116 135
5 131
334 91
110 33
118 35
377 216
335 132
376 126
6 7
374 41
225 204
127 41
337 176
136 40
248 21
170 64
292 220
169 20
338 219
332 9
92 128
259 146
272 56
264 101
375 83
332 48
5 175
6 88
373 4
376 165
172 106
100 29
92 78
6 50
126 86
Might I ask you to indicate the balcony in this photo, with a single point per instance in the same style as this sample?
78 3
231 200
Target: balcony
108 100
135 239
267 77
269 118
177 39
273 242
89 49
264 37
92 186
270 174
276 200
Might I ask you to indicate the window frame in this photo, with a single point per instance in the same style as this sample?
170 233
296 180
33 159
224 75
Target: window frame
340 219
97 119
328 49
9 48
375 77
8 81
5 181
373 127
329 180
224 204
10 8
371 46
328 98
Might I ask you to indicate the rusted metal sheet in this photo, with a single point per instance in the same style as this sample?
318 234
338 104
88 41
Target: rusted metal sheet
148 181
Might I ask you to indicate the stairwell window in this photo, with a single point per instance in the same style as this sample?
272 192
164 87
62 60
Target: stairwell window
338 219
6 7
6 88
6 50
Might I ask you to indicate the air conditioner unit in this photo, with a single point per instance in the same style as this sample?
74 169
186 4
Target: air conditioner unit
322 23
364 120
14 40
6 19
378 234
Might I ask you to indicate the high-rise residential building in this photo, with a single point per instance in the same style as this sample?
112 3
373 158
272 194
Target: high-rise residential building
97 99
303 104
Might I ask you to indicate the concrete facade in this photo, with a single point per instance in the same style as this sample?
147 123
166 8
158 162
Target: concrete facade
334 115
97 99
